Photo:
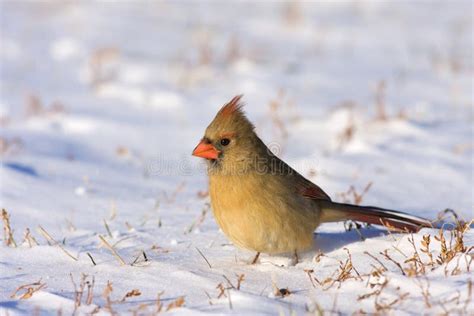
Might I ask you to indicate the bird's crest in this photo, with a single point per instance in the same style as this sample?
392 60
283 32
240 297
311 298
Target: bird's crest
231 118
234 106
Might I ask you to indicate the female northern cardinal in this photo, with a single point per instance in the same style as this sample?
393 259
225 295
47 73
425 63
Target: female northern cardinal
261 203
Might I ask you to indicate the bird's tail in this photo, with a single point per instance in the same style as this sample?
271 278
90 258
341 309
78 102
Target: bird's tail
394 220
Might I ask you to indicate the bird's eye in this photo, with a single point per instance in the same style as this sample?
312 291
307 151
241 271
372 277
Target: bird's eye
225 141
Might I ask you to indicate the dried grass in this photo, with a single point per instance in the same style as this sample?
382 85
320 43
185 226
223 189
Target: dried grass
112 250
100 65
206 209
53 242
35 107
29 239
28 290
10 146
7 230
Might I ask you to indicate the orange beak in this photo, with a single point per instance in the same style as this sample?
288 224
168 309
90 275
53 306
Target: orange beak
206 150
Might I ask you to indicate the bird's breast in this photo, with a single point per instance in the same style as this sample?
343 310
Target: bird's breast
257 213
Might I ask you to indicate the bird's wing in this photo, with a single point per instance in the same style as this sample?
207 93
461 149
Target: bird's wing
310 190
302 185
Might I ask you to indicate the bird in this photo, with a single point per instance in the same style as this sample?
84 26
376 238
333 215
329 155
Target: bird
262 204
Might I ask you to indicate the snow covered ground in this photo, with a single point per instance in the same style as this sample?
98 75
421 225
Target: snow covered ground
102 103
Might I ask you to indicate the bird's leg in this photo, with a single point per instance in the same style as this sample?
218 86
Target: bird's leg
254 261
295 258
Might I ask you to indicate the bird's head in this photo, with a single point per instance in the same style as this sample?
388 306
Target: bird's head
229 140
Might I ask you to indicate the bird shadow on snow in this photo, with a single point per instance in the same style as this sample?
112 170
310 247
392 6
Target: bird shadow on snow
326 242
329 241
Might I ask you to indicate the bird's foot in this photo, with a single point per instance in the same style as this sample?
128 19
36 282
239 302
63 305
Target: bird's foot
255 259
295 258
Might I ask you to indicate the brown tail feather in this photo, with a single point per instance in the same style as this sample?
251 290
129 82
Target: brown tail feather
395 220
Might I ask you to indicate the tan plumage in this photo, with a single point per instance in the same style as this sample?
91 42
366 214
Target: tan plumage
260 202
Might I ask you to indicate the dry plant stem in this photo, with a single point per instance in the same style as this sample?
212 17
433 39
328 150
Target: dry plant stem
113 211
106 295
221 289
231 286
112 250
30 289
123 239
344 272
10 146
376 259
389 306
348 132
202 255
92 259
469 294
357 198
380 101
132 293
386 255
209 298
425 292
240 279
175 193
8 232
200 219
309 272
350 261
176 303
107 228
159 303
54 242
230 300
399 251
334 303
129 226
90 291
70 225
79 291
137 259
29 238
426 248
419 265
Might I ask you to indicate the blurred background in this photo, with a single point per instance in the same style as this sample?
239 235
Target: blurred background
102 103
105 101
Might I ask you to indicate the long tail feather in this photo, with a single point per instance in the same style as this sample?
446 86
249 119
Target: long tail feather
395 220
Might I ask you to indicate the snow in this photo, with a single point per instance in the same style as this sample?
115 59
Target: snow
102 103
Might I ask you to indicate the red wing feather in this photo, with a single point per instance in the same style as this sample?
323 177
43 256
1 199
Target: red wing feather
312 191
